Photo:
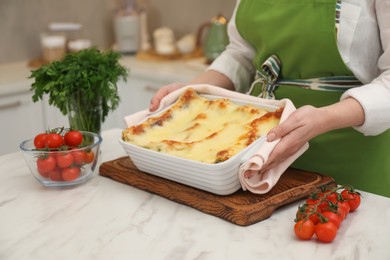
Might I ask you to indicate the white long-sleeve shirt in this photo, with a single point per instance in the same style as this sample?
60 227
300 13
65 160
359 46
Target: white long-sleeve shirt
364 44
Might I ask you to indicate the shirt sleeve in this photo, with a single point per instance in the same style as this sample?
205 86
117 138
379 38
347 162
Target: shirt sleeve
375 96
236 61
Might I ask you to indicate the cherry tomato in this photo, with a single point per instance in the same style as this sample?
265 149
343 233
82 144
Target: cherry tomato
345 206
64 160
70 174
315 200
55 175
39 141
89 157
54 140
332 217
325 232
332 197
304 229
353 199
45 165
73 138
308 210
341 213
79 157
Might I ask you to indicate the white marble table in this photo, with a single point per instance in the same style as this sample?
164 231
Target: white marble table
104 219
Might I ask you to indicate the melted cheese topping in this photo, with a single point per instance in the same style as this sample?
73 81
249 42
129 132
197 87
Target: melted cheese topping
204 130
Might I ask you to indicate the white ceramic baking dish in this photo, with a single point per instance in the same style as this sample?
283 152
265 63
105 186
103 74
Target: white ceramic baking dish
220 178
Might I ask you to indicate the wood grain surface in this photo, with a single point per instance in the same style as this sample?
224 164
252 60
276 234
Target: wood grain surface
241 208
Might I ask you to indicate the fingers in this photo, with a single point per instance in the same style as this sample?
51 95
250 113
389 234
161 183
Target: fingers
284 149
155 101
281 130
162 92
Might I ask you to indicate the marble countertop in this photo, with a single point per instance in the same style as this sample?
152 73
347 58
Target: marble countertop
104 219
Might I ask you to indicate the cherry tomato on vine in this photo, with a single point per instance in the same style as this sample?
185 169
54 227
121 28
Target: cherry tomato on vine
353 199
304 229
332 197
345 206
310 211
315 200
325 232
54 140
39 141
341 213
332 217
73 138
45 165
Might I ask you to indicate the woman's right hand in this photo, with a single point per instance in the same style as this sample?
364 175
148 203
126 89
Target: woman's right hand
162 92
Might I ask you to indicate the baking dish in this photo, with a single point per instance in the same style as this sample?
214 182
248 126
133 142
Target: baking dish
220 178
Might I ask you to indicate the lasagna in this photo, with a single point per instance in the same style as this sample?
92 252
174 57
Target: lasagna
202 129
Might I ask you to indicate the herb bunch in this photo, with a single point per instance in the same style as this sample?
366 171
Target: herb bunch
91 74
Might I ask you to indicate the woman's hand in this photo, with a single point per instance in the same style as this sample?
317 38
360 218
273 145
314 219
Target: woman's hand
308 122
302 125
162 92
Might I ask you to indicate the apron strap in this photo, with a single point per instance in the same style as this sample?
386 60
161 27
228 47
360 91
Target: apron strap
269 80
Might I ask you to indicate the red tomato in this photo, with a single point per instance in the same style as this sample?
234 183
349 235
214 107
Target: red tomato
345 206
304 229
39 141
89 156
79 157
353 199
46 164
73 138
332 197
325 232
315 200
341 213
54 140
332 217
64 160
309 212
55 175
70 174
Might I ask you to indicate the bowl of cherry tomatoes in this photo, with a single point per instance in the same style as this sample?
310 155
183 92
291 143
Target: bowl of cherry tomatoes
62 157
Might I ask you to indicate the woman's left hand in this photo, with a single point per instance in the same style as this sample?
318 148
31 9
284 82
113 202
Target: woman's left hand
302 125
308 122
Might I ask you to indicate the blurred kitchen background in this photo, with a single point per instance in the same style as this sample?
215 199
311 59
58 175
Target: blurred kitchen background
23 21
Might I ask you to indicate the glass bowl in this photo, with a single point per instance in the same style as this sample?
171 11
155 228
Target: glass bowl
65 167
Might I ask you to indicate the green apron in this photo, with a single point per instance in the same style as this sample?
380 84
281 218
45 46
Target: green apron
302 34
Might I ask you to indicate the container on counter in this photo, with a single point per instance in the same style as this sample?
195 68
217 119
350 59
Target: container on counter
53 47
78 45
127 27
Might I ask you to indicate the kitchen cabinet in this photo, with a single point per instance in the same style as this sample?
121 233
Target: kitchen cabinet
20 117
135 96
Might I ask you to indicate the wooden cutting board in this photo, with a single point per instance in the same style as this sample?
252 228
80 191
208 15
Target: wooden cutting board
241 208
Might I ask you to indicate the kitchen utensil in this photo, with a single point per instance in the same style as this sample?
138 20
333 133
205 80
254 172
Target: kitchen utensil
127 27
164 41
212 37
221 178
